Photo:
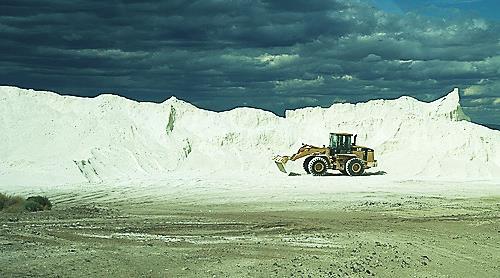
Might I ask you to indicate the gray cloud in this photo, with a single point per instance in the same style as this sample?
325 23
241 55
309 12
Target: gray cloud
274 55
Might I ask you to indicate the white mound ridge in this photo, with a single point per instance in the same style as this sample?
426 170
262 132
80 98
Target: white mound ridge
46 138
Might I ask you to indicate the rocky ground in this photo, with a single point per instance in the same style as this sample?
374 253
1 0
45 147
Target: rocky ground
369 235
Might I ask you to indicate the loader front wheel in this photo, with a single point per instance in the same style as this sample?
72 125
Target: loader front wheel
355 167
318 166
305 164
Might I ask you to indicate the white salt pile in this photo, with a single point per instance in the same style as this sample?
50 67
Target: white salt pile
46 138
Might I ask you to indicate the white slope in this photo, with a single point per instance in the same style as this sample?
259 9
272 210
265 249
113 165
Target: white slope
48 139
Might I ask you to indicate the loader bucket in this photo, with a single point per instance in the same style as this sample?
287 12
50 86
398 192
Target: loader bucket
280 162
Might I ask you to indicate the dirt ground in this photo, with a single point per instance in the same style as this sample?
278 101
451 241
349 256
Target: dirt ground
366 235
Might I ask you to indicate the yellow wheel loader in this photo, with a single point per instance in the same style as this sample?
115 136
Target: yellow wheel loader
343 154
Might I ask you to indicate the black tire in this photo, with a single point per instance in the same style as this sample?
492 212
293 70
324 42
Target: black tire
318 166
305 164
355 167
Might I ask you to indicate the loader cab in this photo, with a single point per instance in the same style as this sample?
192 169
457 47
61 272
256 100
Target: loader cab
341 143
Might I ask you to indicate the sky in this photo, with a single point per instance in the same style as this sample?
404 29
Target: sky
269 54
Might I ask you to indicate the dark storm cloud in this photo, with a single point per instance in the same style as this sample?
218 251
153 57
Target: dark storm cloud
269 54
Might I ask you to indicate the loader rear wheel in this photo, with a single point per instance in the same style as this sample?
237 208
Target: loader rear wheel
318 166
305 164
355 167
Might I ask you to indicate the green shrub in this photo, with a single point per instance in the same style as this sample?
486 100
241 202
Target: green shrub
13 201
19 204
43 201
15 208
3 200
32 206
